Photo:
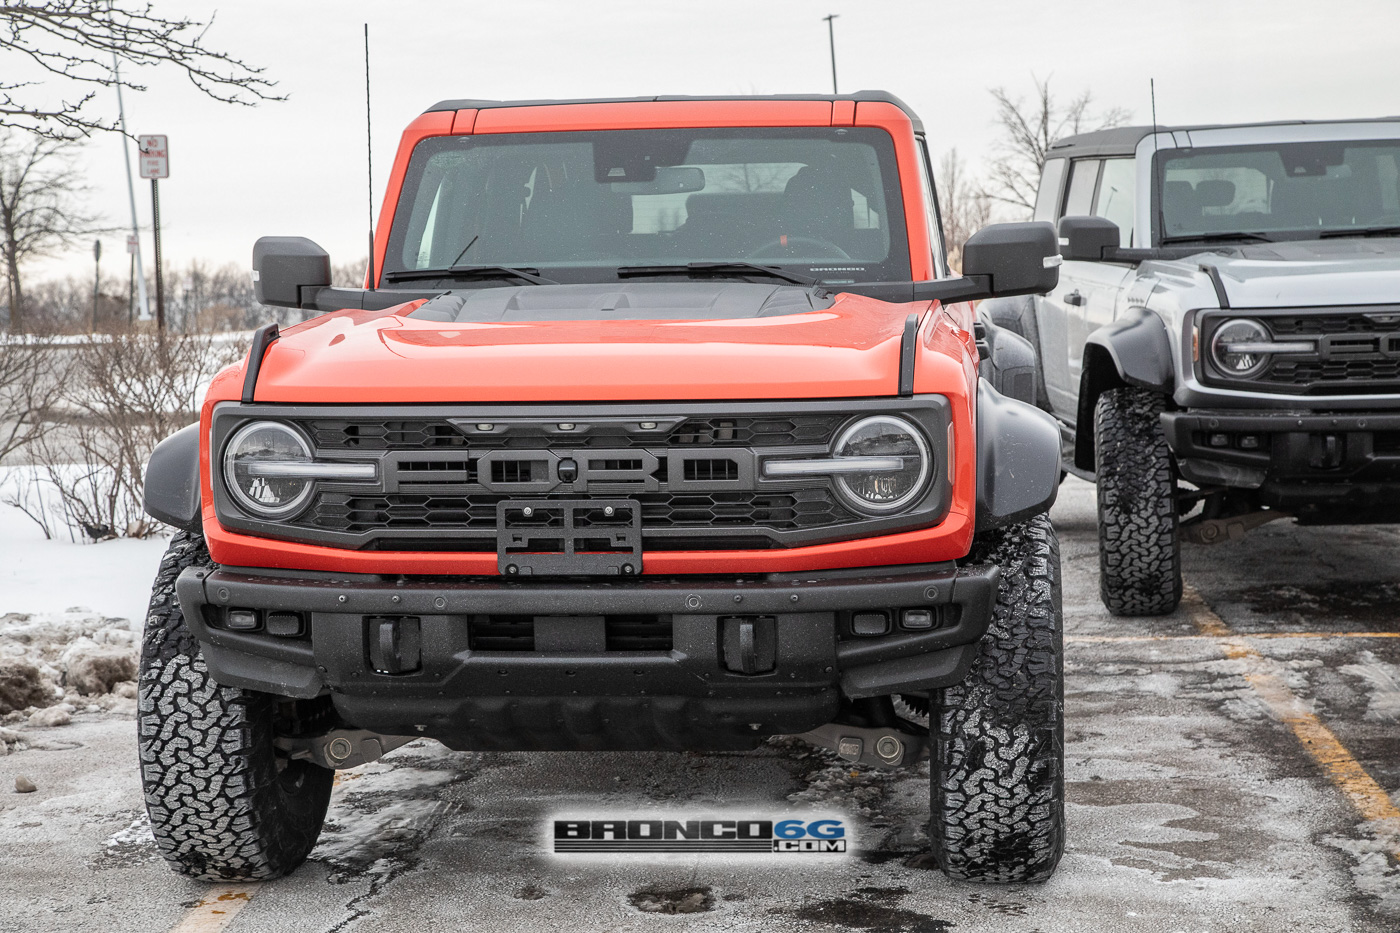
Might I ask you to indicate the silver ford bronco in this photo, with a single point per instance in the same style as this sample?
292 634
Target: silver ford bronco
1223 347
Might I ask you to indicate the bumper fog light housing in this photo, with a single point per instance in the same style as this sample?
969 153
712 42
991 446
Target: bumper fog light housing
242 620
917 619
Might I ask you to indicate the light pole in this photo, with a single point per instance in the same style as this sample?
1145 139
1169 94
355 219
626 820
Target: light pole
96 278
131 193
831 34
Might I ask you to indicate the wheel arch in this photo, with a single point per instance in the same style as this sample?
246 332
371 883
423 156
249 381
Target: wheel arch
171 491
1133 350
1018 459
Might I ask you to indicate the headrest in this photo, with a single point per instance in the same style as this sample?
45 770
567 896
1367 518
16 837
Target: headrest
1215 192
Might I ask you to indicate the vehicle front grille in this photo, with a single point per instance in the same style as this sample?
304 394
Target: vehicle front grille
748 431
1333 372
802 508
695 471
1357 352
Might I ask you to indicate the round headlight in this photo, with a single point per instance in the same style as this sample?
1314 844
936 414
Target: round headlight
263 495
1228 347
886 490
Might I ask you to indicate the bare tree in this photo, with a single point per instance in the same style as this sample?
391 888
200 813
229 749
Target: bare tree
965 207
31 379
1028 130
72 43
38 207
125 394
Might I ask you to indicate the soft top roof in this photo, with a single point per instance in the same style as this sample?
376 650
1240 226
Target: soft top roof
1123 140
885 96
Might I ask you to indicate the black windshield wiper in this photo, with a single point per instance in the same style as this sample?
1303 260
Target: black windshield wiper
1390 230
1218 237
716 268
466 273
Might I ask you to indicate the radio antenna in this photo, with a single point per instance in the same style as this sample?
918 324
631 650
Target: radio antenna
1151 89
369 162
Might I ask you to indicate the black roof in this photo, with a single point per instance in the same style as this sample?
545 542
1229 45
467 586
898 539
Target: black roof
1123 140
886 96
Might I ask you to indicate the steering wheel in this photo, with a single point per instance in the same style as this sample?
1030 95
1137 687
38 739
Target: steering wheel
826 248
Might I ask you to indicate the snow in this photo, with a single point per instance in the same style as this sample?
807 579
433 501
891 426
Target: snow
40 576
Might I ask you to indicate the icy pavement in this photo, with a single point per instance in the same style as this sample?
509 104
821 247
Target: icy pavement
1191 806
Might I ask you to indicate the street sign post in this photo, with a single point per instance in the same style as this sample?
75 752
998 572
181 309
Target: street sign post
155 156
155 164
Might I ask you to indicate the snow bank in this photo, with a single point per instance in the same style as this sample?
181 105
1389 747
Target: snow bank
111 578
81 660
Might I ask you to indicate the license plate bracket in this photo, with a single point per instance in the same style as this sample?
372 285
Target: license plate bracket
565 537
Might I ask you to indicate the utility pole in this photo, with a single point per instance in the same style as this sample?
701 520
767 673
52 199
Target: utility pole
96 279
831 34
131 196
131 248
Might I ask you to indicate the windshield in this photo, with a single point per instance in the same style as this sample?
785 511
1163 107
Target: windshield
822 202
1281 190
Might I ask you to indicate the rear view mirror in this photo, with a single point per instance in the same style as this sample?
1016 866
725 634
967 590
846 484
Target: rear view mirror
1084 239
670 179
284 265
1016 259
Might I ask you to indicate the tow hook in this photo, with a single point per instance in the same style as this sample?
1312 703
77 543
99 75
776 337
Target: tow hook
875 748
1220 530
341 748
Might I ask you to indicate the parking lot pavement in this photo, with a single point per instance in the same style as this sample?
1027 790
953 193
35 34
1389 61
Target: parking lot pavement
1232 767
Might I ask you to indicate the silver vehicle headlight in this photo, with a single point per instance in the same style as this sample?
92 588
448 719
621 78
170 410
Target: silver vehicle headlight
269 469
1241 347
880 465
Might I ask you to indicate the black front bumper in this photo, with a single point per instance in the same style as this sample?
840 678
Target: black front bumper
1335 468
563 692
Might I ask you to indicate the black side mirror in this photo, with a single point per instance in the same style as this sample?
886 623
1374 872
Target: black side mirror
284 265
1001 260
1084 239
1017 259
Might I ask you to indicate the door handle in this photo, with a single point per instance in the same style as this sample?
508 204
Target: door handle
1074 298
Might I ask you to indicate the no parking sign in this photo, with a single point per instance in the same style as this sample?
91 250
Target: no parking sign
155 156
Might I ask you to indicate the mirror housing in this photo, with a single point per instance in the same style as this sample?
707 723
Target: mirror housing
1017 259
1086 239
1001 260
284 265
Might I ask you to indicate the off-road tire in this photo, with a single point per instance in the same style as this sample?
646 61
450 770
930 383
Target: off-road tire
997 758
1139 543
222 805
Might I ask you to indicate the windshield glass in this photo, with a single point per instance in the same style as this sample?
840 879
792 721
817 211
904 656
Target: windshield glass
1283 190
818 201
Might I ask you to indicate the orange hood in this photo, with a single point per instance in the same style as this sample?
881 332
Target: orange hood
849 349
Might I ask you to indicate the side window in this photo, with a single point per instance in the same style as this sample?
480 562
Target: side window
1052 181
1117 184
1082 182
932 212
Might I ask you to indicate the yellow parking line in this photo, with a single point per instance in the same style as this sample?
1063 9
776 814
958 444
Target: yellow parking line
218 906
1112 639
1368 797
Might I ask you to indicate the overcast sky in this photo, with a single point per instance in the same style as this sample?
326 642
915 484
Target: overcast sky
298 167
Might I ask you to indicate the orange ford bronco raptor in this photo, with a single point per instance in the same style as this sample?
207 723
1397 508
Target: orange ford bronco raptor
659 424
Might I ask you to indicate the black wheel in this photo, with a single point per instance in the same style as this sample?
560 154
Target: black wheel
1139 544
224 805
997 763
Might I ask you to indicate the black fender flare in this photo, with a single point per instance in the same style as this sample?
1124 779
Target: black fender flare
1009 363
1018 459
1134 350
1016 314
171 492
